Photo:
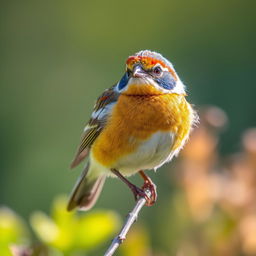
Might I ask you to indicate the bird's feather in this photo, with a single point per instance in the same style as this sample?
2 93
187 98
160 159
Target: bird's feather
101 111
87 190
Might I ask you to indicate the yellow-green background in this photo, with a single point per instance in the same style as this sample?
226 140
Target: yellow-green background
56 57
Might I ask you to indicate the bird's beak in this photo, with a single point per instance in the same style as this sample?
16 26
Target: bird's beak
138 72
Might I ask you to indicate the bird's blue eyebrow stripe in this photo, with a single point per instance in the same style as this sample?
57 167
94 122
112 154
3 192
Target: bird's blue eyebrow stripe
167 82
123 82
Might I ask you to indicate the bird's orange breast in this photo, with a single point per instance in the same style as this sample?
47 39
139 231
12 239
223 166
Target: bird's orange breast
135 117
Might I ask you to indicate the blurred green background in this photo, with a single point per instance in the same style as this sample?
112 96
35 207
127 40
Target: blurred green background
58 56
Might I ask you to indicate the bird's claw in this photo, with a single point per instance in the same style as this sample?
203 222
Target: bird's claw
149 185
141 192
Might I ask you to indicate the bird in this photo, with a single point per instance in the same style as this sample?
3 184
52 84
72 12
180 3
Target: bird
138 124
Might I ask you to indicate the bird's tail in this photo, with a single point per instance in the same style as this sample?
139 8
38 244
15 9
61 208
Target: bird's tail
87 190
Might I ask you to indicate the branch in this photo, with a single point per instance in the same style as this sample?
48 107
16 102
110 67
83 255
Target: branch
131 218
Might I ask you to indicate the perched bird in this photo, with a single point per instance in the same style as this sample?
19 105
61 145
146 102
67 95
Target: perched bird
140 123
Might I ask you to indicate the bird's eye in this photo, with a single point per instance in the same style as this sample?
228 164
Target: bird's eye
157 70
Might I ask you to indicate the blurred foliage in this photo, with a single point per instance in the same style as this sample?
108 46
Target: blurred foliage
68 231
12 231
63 233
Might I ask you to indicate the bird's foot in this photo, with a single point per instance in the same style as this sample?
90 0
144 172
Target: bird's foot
139 192
151 187
148 190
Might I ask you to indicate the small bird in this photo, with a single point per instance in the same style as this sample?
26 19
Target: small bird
138 124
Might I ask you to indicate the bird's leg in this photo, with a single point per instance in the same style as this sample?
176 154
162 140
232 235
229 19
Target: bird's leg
138 192
148 184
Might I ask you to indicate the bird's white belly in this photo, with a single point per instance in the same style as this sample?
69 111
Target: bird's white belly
151 154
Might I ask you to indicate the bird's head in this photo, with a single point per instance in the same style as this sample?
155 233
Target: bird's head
148 73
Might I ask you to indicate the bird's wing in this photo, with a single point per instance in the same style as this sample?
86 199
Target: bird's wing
101 111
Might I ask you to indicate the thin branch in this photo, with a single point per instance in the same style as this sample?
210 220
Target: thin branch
131 218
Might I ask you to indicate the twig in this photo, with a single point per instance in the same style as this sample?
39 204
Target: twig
131 218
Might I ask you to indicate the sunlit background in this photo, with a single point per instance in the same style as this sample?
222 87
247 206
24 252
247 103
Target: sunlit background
56 57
